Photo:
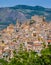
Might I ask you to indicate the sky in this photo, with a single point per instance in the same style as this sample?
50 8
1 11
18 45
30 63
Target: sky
9 3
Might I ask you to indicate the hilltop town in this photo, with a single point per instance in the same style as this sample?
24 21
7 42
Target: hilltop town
32 34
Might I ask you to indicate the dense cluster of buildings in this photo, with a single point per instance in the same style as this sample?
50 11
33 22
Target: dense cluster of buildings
32 34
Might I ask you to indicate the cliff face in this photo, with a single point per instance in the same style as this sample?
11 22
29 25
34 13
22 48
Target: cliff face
22 13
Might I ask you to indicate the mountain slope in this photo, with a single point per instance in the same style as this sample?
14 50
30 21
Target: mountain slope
22 13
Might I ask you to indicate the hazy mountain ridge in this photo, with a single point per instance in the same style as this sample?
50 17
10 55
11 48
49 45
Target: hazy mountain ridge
22 13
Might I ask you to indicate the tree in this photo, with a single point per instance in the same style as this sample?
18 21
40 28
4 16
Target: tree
24 57
3 62
46 55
